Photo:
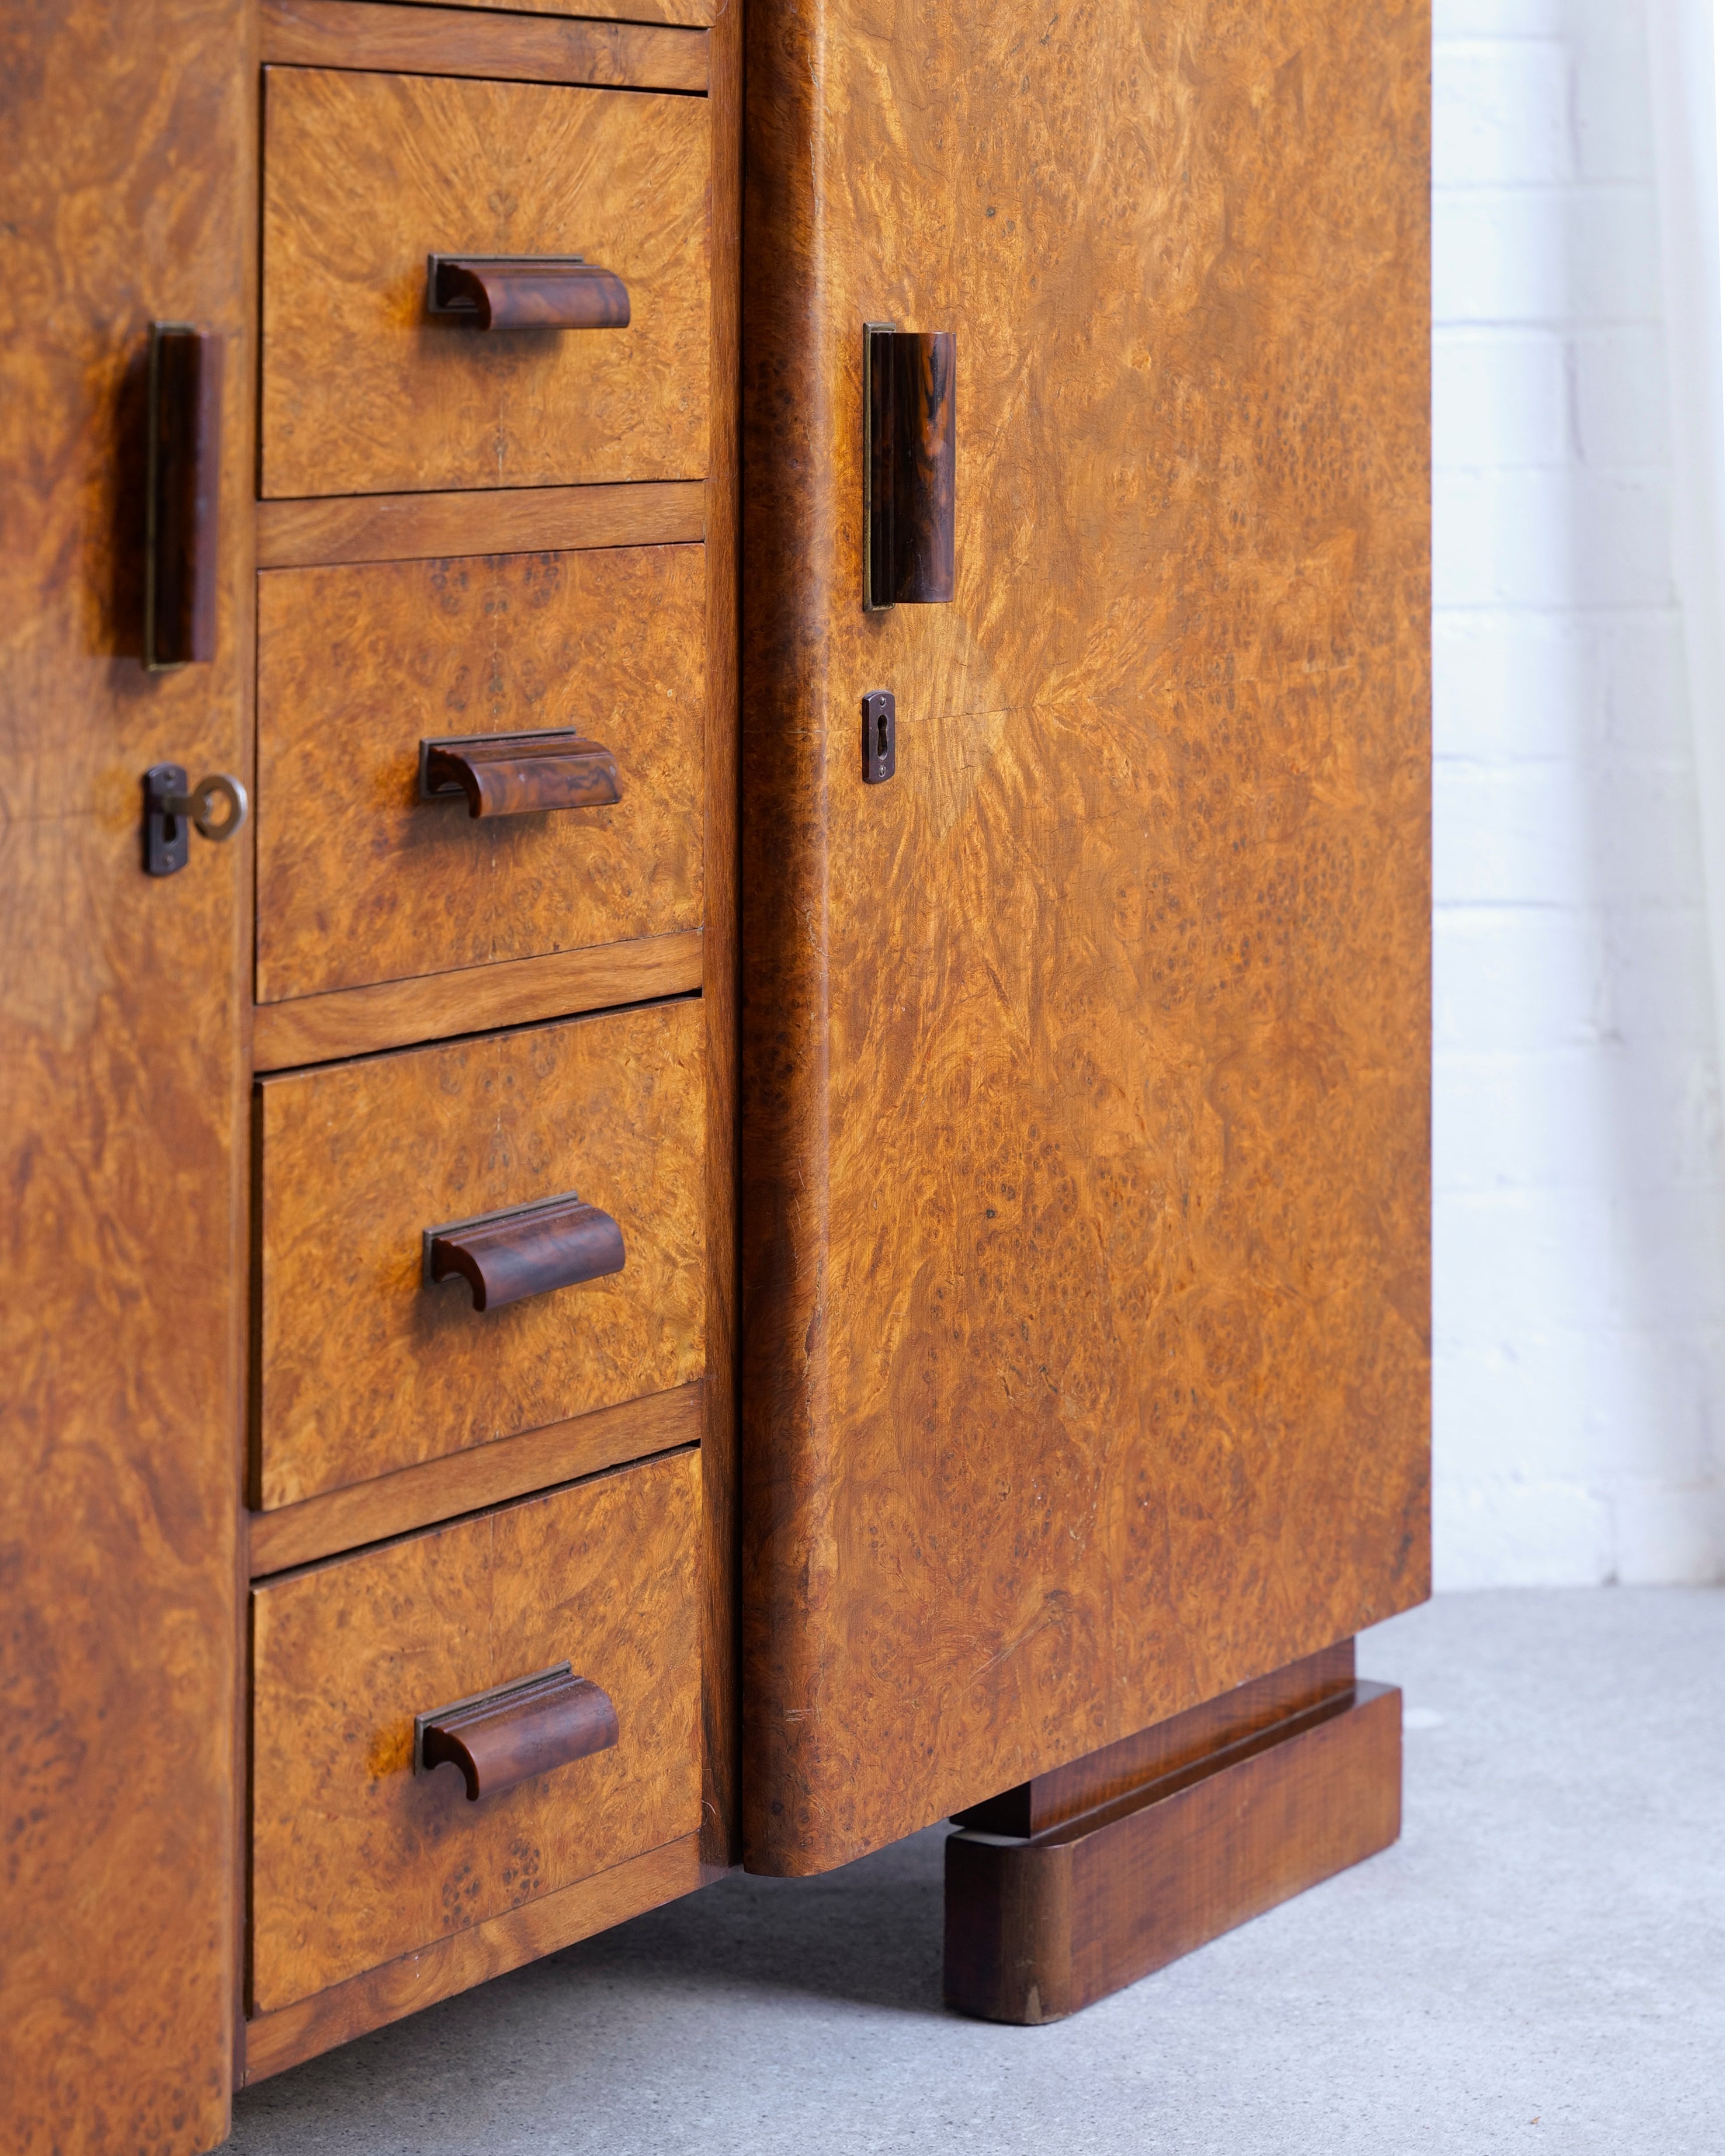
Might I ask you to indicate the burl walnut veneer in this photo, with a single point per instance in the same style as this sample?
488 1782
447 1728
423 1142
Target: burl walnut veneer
366 1642
362 1367
346 1654
122 1001
360 879
365 392
1085 1099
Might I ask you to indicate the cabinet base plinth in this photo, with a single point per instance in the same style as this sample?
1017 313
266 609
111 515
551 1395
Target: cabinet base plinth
1040 1925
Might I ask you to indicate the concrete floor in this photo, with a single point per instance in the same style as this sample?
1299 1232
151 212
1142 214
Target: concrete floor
1539 1963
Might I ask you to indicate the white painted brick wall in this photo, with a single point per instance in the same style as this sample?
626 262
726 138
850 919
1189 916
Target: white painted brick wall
1580 1203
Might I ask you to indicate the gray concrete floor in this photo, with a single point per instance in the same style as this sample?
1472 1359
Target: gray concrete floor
1539 1963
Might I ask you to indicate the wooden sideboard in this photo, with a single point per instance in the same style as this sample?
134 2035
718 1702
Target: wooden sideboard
777 1187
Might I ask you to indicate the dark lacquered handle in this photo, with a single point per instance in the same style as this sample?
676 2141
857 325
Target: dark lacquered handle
498 1738
911 465
525 292
182 471
509 774
530 1249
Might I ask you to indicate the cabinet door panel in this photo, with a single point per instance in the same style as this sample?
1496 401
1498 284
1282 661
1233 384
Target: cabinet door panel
128 126
1085 1124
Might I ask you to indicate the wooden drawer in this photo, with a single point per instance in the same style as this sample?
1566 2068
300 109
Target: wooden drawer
356 1858
359 880
363 391
362 1368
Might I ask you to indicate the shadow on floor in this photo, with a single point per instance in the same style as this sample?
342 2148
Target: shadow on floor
869 1934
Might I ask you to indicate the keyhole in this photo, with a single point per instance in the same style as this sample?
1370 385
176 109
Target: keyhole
878 730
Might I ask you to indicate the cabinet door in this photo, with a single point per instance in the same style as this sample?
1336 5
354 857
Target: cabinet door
1085 1124
122 1158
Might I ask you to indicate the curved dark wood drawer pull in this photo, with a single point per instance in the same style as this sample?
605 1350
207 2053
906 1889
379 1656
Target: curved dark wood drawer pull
525 292
499 1737
509 774
530 1249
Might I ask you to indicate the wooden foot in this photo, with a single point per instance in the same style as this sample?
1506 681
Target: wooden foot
1085 1879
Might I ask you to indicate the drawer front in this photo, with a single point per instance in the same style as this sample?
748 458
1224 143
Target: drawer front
356 1859
364 392
359 878
364 1367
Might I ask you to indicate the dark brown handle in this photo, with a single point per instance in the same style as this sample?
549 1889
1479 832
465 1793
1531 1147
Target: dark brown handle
528 1250
183 470
508 774
910 465
498 1738
526 292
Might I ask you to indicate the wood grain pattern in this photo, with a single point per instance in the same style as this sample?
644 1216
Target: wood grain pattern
720 1821
357 33
466 1481
1103 1778
362 1369
355 1859
1036 1930
128 132
694 12
359 880
1085 1081
398 1014
276 2041
526 520
363 392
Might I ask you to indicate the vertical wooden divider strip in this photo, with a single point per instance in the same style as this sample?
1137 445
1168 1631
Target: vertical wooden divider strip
246 1188
721 1830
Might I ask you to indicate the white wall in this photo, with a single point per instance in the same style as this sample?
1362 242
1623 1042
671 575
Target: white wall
1579 1215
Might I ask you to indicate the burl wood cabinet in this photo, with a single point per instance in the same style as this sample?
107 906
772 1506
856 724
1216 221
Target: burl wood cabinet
713 1038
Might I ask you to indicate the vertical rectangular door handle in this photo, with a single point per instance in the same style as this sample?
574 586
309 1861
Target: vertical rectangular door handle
182 473
910 469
